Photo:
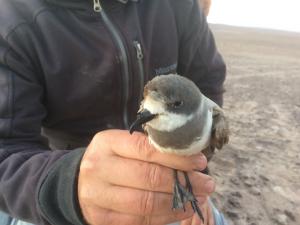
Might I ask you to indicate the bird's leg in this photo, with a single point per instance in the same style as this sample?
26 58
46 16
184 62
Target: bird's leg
193 200
178 199
180 195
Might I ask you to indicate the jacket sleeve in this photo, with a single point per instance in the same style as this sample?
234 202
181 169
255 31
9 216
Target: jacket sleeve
37 184
199 59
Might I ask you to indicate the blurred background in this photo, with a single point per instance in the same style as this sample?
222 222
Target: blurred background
258 173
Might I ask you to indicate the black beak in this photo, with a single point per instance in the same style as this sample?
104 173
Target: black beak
142 117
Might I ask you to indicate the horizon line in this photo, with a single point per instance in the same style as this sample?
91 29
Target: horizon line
256 27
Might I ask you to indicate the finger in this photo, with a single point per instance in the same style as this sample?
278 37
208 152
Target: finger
187 221
198 221
137 146
135 201
149 176
108 217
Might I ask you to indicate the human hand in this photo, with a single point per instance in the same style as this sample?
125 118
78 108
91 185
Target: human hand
207 214
124 180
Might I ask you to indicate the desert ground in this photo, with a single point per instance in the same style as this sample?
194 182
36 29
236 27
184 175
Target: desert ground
258 173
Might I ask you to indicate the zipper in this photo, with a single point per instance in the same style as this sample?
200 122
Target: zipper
140 57
123 60
97 6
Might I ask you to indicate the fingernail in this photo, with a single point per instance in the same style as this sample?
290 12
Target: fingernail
210 186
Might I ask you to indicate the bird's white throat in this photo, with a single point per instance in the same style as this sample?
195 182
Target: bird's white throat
166 121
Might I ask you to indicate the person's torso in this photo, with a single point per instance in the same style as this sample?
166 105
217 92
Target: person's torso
93 65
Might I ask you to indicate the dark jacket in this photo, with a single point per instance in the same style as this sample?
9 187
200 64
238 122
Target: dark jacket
67 72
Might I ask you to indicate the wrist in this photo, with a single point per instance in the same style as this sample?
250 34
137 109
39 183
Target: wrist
57 197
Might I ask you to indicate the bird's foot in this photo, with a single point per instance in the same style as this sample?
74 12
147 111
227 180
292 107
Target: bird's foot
194 200
197 209
181 196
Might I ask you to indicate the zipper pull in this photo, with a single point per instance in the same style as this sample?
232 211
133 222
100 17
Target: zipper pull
97 6
139 52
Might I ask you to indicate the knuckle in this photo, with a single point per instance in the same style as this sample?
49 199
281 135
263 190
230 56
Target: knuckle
87 166
147 203
93 146
101 138
153 176
98 136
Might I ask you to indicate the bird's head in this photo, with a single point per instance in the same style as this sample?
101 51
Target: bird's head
169 101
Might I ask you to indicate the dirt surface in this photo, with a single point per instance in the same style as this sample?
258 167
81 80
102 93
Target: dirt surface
258 173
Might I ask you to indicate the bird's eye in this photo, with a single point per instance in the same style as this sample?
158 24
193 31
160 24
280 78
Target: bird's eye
177 104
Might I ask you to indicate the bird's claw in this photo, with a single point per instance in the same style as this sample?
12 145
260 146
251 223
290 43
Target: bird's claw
183 195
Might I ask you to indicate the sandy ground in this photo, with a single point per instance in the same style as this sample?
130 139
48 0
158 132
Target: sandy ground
258 173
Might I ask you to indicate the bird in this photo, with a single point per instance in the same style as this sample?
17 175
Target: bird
179 119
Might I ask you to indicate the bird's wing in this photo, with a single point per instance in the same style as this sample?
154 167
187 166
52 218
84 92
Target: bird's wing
220 129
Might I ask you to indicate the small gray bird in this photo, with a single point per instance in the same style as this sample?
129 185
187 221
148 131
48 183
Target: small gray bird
179 119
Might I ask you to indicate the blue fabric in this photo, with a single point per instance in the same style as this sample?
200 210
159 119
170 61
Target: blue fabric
219 217
7 220
19 222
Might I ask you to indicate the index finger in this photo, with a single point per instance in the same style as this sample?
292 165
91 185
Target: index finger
137 146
